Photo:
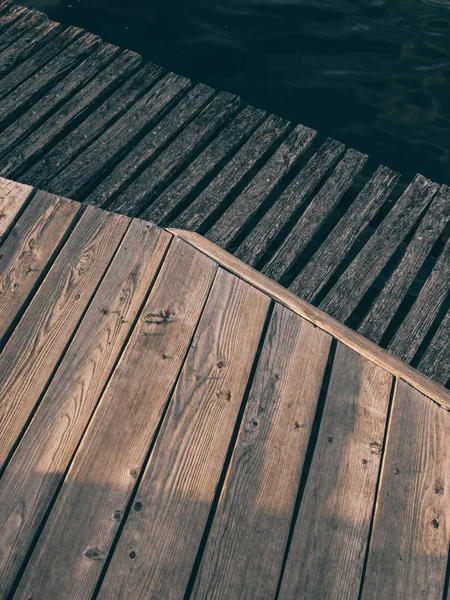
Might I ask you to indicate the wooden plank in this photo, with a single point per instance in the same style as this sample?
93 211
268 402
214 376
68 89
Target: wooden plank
243 164
31 245
65 151
216 154
178 486
388 301
42 108
38 465
409 546
343 298
436 360
316 316
290 201
182 150
106 81
10 14
316 214
13 197
327 553
321 266
5 7
100 157
246 544
87 513
153 143
262 185
30 18
38 342
418 321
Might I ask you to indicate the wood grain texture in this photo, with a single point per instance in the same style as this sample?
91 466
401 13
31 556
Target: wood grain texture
37 343
315 214
16 29
410 539
11 14
292 199
13 198
87 513
435 362
343 297
33 242
324 262
44 453
247 540
231 223
176 492
328 548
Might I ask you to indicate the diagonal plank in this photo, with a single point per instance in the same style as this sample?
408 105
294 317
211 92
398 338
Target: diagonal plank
10 14
246 544
30 18
173 501
37 343
435 362
13 198
31 245
409 547
45 451
87 513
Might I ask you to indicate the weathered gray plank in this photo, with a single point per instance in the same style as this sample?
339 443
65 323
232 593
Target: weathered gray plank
262 235
16 29
436 360
246 544
44 453
409 546
13 197
265 181
315 215
321 266
87 513
243 164
343 298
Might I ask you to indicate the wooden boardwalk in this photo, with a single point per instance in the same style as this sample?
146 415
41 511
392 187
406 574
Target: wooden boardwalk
81 118
175 425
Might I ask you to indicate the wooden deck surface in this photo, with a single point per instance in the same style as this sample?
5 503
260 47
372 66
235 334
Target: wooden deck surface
81 118
175 425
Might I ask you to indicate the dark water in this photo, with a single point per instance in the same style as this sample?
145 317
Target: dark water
374 74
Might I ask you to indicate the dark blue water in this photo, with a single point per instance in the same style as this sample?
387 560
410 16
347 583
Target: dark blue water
374 74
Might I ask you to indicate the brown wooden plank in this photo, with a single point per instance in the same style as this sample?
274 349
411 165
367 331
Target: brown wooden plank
327 552
410 540
37 343
345 295
30 18
13 197
10 14
87 513
265 181
316 214
171 507
436 360
44 453
295 195
321 266
246 544
32 243
388 301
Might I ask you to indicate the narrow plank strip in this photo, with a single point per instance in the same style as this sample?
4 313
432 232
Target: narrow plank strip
295 195
409 546
36 345
153 142
250 200
338 242
343 298
436 360
11 14
326 557
177 489
87 513
5 7
107 80
388 301
344 334
17 29
13 197
246 544
316 214
99 157
44 454
65 151
243 164
183 149
32 243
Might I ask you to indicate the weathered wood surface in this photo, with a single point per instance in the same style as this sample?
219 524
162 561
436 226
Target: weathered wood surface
436 359
13 198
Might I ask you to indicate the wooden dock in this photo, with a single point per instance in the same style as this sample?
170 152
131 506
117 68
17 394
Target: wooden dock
173 424
86 120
